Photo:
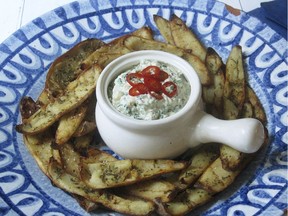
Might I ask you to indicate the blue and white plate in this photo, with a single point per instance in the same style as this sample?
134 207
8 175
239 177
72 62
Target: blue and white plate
26 56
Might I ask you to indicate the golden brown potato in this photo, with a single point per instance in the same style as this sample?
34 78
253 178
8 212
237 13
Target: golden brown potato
109 174
39 146
215 179
163 26
186 201
235 83
79 90
197 165
107 53
64 68
144 32
258 110
231 158
135 43
85 128
83 143
184 38
70 160
155 189
199 67
69 123
234 99
71 184
213 94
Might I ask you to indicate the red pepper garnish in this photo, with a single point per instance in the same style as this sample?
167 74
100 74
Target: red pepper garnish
150 71
154 72
149 80
134 78
163 75
138 89
153 84
169 88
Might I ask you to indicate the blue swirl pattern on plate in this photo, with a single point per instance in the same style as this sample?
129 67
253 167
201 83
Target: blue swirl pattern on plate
27 54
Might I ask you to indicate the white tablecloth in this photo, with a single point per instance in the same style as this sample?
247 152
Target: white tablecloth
16 13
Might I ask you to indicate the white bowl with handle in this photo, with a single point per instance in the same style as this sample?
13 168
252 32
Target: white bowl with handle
171 136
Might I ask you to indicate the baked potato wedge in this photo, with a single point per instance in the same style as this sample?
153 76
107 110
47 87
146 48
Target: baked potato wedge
258 111
84 128
78 91
163 26
144 32
184 38
71 184
82 143
234 99
215 178
104 55
113 50
95 155
235 83
231 158
186 202
135 43
109 174
252 108
70 160
69 123
197 165
64 68
155 189
39 146
212 95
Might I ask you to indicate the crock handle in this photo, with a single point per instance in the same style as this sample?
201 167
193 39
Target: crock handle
245 135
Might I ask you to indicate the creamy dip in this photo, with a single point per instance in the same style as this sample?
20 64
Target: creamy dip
145 106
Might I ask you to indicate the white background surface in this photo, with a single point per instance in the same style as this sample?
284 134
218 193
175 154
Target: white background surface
16 13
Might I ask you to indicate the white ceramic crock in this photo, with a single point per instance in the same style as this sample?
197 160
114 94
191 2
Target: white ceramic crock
168 137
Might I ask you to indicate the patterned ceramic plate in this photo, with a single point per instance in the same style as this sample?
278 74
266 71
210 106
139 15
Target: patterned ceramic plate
28 53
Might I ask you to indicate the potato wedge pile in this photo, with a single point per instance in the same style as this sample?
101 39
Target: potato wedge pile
60 132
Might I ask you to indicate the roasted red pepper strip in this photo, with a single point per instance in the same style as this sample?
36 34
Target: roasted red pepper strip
138 89
134 78
154 72
152 84
149 80
169 88
150 71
